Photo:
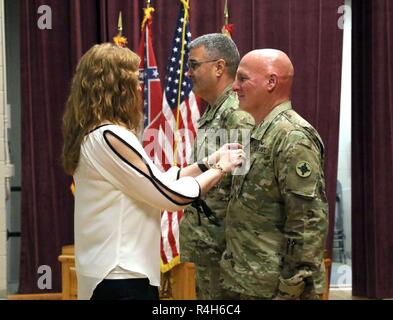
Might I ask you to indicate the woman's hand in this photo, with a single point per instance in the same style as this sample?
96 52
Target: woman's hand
230 160
216 156
226 159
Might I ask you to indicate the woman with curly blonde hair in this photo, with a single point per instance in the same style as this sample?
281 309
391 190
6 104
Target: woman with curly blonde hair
119 192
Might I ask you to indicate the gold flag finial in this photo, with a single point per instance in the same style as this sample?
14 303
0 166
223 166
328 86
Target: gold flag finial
119 40
120 24
227 29
148 11
226 12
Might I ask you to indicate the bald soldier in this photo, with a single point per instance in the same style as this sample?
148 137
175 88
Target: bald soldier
276 222
212 63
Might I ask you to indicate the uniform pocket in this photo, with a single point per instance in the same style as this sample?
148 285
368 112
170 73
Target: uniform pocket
239 180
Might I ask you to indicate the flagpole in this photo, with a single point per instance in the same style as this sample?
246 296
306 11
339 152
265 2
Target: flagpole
226 13
186 15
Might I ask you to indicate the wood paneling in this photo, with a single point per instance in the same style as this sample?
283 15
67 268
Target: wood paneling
178 284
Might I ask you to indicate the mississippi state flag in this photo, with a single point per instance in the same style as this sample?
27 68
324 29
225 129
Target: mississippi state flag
170 119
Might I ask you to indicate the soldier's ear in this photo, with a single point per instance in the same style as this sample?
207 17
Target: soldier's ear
272 82
220 67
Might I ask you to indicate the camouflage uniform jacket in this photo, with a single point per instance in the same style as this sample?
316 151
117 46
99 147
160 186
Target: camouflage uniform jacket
224 114
276 222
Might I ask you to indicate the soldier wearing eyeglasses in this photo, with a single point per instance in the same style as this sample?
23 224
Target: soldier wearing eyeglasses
212 66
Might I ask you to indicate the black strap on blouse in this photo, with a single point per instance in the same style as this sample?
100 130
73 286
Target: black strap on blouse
202 207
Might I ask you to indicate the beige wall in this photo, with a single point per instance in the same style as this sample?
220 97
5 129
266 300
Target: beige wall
4 169
344 159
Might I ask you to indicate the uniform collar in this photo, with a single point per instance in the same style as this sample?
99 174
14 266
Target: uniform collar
260 130
212 109
220 100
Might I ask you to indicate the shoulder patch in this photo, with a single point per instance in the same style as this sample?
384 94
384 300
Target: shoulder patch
303 169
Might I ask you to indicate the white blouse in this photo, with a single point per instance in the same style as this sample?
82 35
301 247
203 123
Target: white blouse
118 209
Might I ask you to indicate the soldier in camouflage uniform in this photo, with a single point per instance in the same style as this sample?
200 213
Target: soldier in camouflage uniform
213 61
277 220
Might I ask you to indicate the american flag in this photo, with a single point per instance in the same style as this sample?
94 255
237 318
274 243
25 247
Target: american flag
170 132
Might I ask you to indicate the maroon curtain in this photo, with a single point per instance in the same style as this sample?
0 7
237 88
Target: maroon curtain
372 149
306 29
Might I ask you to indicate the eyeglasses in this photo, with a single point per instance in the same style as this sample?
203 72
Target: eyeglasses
193 65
